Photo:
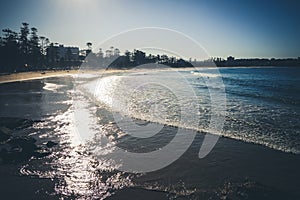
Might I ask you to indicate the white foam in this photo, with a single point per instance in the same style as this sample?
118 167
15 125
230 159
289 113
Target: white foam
52 86
205 74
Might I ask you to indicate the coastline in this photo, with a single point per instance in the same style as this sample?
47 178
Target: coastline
23 76
234 168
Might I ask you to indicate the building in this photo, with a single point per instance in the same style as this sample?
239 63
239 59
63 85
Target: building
62 53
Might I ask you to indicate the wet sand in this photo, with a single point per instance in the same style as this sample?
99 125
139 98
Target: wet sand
233 170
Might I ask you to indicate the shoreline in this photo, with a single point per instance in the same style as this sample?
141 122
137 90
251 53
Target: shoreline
23 76
32 75
231 169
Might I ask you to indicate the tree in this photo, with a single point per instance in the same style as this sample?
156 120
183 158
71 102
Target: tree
35 52
164 58
89 45
24 32
10 37
34 41
116 52
100 53
10 50
139 57
108 53
89 50
112 49
44 44
128 55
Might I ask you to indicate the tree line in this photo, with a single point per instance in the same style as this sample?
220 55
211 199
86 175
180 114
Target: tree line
112 59
248 62
25 50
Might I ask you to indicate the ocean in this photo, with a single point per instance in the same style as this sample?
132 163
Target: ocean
139 134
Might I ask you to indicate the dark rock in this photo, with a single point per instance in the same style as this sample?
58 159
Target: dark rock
25 143
41 153
24 123
15 123
21 148
3 154
13 155
5 134
51 144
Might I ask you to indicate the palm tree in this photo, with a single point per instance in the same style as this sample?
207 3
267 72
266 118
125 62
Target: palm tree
89 45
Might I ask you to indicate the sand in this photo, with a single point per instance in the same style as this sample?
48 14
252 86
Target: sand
22 76
34 75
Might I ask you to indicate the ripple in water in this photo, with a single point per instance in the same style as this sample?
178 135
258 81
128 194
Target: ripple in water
74 169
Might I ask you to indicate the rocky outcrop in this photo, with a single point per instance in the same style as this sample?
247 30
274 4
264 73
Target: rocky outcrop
13 147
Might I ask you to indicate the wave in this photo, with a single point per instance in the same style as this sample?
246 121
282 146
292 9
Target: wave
52 86
221 134
209 75
104 102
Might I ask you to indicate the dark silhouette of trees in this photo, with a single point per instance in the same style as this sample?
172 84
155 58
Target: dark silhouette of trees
138 57
116 52
34 49
128 56
19 51
44 44
24 43
100 53
27 51
233 62
89 50
9 50
89 45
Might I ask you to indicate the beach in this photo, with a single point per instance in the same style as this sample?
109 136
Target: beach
22 76
242 165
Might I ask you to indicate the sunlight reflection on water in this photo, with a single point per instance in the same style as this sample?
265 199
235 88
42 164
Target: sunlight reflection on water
76 171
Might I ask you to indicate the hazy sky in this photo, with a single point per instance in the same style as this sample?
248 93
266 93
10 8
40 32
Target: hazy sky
242 28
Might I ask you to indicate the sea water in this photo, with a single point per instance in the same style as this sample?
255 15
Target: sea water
82 113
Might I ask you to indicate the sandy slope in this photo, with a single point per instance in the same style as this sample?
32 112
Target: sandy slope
39 74
33 75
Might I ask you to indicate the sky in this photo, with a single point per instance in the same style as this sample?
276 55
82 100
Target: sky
241 28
